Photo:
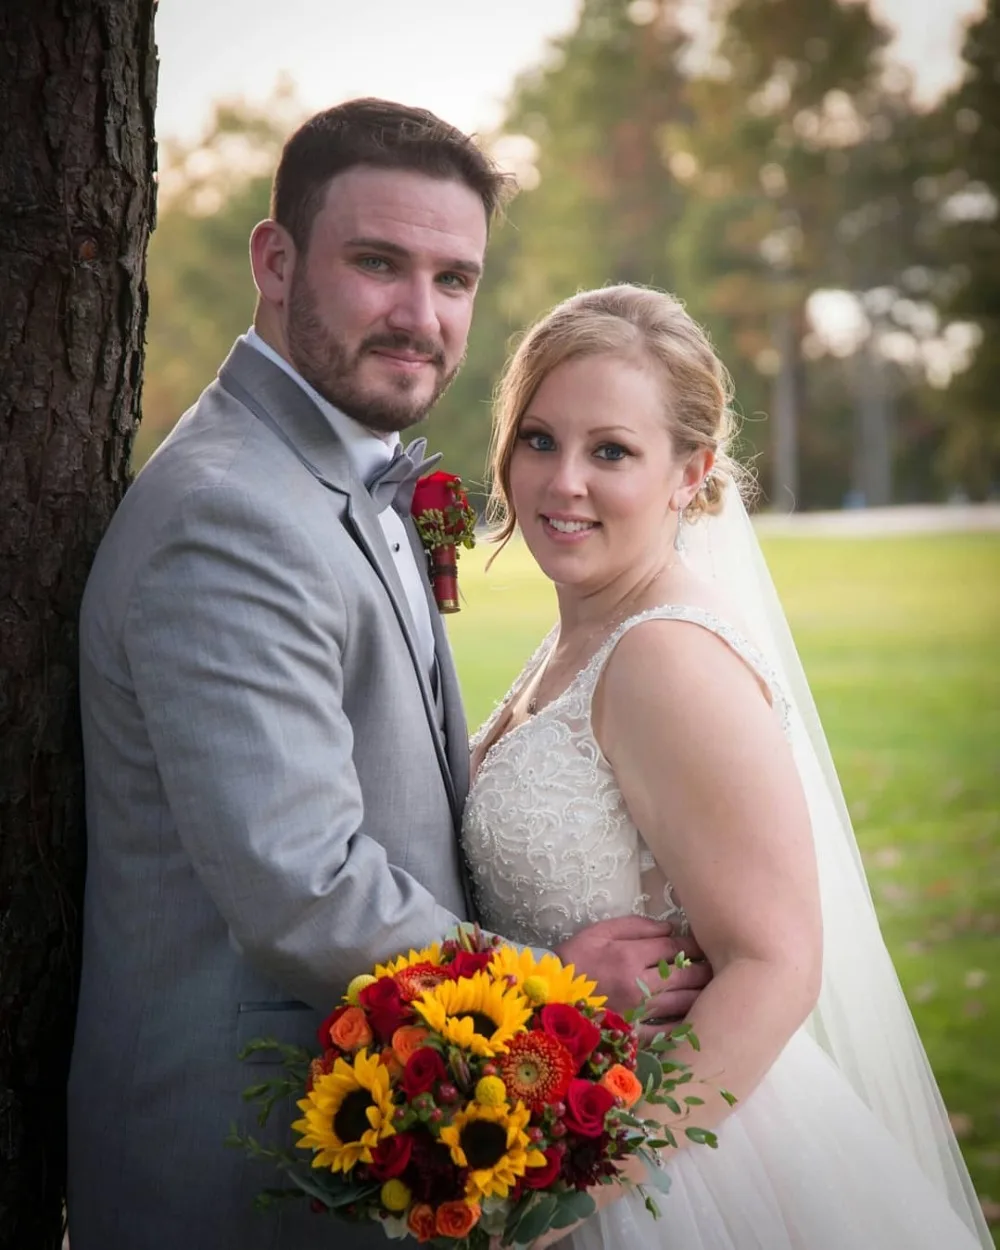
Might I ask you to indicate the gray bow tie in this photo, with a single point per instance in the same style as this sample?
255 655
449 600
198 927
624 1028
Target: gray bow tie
394 484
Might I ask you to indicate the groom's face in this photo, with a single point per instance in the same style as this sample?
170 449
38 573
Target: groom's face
379 306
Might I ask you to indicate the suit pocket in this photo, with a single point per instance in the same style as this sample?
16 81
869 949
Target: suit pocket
289 1022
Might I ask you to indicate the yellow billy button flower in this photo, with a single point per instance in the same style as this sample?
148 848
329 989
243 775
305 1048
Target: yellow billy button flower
357 985
348 1112
395 1195
491 1092
536 989
492 1142
545 980
476 1013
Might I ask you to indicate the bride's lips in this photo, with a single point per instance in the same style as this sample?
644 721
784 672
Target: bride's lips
563 527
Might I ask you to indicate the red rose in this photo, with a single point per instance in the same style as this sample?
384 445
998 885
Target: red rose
542 1178
436 491
323 1032
586 1107
391 1156
578 1034
468 963
423 1070
385 1007
613 1022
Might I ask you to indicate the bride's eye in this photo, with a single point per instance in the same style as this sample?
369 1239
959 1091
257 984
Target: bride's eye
612 451
536 440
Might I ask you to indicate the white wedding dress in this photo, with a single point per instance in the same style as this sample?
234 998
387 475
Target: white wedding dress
803 1163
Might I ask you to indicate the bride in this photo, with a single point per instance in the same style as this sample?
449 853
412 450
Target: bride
661 755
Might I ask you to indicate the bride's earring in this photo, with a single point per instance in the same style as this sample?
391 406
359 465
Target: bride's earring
678 536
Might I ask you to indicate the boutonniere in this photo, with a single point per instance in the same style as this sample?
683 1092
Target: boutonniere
445 521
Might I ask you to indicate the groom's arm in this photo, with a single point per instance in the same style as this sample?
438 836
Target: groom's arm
234 636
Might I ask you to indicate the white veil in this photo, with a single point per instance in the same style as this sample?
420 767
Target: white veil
862 1019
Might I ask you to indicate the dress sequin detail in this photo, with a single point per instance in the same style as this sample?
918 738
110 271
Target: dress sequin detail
546 830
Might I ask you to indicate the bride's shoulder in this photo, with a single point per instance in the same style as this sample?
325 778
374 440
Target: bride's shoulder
680 650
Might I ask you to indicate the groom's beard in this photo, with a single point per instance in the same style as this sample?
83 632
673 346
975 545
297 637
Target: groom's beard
330 367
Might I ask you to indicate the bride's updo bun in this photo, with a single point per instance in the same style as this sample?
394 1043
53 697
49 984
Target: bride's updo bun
649 327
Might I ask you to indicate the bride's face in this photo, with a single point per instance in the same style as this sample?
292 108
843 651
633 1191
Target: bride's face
594 473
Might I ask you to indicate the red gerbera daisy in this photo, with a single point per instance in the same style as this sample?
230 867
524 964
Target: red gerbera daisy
536 1069
414 980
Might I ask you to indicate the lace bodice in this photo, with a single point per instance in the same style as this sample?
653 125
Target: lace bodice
548 837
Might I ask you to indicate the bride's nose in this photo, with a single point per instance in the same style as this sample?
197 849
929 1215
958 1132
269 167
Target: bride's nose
569 476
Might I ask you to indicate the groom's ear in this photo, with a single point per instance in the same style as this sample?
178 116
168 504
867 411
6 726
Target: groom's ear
272 261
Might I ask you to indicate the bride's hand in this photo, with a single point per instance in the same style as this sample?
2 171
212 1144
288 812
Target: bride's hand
618 953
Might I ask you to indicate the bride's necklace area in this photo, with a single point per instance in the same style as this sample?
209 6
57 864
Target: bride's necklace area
602 630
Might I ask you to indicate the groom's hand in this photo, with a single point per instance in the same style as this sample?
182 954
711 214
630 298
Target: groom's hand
619 953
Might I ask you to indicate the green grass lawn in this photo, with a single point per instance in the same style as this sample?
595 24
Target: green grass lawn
899 637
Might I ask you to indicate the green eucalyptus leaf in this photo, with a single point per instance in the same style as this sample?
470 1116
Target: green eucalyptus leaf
536 1219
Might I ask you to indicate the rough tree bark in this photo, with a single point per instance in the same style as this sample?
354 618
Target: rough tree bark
77 154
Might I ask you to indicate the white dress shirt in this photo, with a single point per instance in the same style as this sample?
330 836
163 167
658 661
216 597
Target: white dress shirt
368 452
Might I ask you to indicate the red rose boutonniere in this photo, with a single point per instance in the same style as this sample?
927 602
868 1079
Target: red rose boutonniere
445 521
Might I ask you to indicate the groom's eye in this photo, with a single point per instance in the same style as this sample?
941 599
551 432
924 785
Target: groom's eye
374 264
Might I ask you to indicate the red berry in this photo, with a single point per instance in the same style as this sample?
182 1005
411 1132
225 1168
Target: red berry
490 1069
436 1116
558 1129
447 1093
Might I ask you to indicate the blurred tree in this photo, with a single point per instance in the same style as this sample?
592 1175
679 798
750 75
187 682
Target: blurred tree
77 89
212 194
779 118
585 131
968 197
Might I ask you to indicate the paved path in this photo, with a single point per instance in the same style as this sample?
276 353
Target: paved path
882 522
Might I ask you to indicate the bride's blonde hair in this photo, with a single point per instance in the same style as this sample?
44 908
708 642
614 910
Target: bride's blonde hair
635 323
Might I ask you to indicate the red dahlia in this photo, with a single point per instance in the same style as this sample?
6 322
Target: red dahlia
536 1069
414 980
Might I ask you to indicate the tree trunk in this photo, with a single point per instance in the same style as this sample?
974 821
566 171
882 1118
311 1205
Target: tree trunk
785 416
77 91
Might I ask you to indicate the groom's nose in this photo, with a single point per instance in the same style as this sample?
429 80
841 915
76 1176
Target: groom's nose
415 309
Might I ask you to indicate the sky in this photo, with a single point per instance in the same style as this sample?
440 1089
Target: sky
458 58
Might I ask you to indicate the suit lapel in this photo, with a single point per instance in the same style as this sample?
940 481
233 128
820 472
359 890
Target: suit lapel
455 727
288 412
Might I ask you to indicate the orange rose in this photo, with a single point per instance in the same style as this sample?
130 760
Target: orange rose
623 1084
407 1039
388 1057
420 1221
351 1031
454 1219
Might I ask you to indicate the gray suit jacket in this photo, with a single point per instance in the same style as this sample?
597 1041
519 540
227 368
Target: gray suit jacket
271 806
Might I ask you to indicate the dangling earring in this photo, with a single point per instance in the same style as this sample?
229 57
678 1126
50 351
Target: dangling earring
678 536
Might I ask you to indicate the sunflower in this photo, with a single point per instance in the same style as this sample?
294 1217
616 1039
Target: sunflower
492 1143
348 1111
476 1013
429 955
545 980
536 1069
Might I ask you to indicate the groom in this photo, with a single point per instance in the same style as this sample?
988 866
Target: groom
276 754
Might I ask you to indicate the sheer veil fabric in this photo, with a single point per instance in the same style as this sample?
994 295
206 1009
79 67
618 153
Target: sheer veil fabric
862 1019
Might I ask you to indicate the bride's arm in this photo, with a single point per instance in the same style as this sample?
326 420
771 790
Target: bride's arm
709 778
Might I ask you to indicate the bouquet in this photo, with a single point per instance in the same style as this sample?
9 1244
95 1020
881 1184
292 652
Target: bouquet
471 1091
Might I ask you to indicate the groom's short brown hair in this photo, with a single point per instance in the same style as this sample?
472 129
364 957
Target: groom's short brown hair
382 134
